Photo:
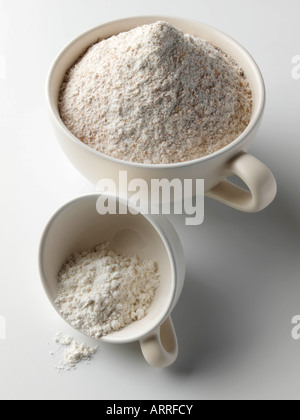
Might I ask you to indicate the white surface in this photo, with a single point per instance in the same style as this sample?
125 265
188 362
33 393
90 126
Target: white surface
243 286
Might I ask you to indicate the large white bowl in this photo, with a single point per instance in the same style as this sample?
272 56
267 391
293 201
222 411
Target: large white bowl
232 159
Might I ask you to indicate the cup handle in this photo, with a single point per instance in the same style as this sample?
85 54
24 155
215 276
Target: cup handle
160 348
258 178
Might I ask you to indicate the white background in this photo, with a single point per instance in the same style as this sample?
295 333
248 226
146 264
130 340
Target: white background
242 288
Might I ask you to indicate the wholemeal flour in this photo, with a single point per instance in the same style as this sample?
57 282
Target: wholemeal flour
155 95
101 291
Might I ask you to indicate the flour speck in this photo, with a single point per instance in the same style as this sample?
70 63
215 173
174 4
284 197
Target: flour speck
71 352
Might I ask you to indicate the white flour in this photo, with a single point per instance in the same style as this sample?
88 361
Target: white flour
101 291
73 353
154 95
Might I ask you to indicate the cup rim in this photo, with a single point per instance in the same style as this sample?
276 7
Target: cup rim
53 108
156 222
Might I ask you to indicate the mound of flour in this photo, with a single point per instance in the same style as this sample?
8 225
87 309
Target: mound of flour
101 291
155 95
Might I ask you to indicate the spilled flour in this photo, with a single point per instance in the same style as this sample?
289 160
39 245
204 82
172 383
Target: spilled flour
155 95
71 352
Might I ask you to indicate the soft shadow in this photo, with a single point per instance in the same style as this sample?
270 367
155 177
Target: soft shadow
205 326
280 218
255 249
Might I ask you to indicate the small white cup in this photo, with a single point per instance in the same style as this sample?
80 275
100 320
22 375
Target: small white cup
77 226
215 168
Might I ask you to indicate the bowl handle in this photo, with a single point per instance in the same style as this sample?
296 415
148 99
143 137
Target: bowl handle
258 178
160 348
